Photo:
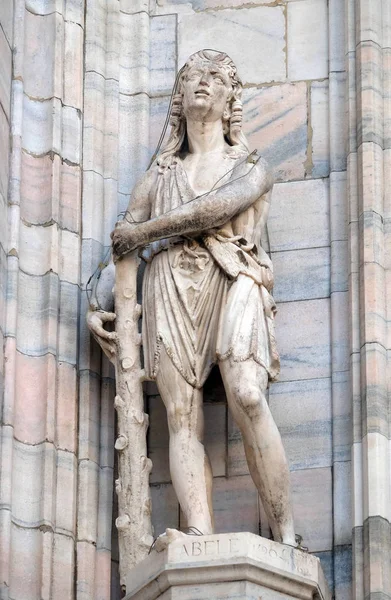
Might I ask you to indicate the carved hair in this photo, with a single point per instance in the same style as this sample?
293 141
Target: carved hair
232 116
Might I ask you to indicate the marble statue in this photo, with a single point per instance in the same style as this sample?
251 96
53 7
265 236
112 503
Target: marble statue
195 217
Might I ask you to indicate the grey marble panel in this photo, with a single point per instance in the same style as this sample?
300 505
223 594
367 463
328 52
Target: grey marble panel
302 411
38 313
342 507
288 230
340 339
275 122
343 572
133 134
320 140
216 437
312 507
89 416
258 32
67 322
162 58
4 151
375 400
358 561
3 289
340 266
165 508
157 117
342 416
301 274
303 338
5 73
6 19
158 441
307 40
326 560
235 503
377 545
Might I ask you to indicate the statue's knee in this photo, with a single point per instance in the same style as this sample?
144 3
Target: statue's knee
252 402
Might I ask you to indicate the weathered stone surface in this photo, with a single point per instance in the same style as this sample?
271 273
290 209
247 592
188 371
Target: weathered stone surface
162 63
252 31
302 410
6 17
163 495
307 40
337 21
134 64
287 230
304 346
215 437
312 507
320 129
5 74
234 560
342 503
73 65
235 503
157 117
276 124
301 274
199 5
158 441
4 151
33 425
337 85
87 502
40 32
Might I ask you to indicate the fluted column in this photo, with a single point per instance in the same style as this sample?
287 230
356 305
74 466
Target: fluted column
39 417
115 153
369 114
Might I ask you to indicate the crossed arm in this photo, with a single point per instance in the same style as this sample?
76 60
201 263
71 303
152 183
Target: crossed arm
249 182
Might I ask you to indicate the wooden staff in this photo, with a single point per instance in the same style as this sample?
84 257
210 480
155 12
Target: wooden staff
132 486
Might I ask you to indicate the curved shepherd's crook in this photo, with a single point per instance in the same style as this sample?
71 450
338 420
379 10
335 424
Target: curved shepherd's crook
132 486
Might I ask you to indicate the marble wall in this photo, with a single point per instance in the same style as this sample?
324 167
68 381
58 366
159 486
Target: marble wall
6 34
38 437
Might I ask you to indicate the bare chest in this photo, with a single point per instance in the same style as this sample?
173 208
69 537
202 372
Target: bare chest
205 173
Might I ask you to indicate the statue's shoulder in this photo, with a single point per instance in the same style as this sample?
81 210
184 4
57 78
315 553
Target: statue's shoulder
146 182
255 164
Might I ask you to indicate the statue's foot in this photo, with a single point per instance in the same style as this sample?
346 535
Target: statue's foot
166 538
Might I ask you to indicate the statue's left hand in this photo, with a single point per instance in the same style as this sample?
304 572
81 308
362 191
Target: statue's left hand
125 238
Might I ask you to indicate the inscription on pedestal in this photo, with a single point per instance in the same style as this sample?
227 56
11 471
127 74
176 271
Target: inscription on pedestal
260 549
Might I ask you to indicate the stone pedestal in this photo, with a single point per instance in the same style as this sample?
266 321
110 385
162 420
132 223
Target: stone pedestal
243 566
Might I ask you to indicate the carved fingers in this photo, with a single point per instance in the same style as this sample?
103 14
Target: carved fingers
106 339
125 238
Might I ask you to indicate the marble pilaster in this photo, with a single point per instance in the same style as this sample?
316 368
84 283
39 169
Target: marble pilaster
368 27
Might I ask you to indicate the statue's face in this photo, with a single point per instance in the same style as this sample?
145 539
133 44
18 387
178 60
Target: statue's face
206 90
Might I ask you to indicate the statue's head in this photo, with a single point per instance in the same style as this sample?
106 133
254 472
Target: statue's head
208 88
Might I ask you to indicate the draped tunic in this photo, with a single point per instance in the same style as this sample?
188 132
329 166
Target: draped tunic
203 295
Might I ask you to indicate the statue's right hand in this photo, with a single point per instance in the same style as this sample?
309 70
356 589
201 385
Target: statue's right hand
106 339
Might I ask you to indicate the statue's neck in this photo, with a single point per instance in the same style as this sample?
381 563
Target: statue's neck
205 136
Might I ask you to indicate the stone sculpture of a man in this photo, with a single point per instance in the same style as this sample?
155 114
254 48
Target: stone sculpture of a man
197 214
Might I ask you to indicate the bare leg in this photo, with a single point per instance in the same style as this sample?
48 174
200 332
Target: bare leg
245 384
189 466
